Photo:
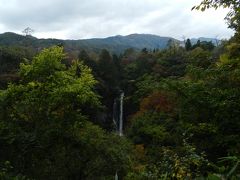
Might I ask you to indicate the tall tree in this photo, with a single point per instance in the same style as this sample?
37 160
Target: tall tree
107 68
28 31
83 55
188 45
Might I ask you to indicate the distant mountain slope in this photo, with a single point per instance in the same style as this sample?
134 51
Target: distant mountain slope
115 44
12 39
118 44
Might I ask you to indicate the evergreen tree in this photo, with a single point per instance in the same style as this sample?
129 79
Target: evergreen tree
83 55
188 45
144 51
107 68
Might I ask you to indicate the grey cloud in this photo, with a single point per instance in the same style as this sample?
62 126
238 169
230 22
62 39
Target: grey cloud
101 18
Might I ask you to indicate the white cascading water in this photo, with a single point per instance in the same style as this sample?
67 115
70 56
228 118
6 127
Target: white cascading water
121 115
115 119
120 125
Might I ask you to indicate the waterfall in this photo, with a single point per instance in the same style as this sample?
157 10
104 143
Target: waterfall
121 115
116 176
115 119
118 116
118 113
118 124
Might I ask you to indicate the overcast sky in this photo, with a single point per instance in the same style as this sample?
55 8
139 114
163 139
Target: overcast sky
78 19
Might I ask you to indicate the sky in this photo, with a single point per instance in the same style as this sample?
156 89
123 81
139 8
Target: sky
82 19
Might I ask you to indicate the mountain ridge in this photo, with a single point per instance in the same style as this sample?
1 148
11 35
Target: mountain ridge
115 44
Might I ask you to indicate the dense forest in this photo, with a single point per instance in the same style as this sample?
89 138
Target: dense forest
60 116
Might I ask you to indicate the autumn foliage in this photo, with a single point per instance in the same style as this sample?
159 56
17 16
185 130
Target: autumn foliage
158 101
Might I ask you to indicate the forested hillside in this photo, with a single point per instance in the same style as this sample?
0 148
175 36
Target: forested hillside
115 44
61 115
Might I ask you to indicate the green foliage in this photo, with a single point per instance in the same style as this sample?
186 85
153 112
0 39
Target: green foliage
44 127
200 58
10 58
172 163
150 129
172 62
181 110
233 167
83 55
207 46
206 110
5 173
185 163
44 65
107 68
